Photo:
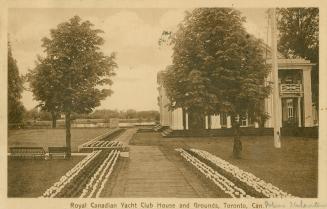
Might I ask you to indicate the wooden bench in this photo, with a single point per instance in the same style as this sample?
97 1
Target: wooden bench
57 151
27 153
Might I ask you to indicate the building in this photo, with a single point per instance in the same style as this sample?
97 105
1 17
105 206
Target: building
295 100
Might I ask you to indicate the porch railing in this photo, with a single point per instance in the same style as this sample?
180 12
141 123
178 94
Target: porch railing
291 89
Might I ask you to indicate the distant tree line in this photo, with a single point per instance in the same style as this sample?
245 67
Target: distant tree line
150 115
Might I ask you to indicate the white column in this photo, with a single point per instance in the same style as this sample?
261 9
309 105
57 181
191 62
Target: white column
229 124
218 121
165 115
172 118
308 121
177 119
269 105
247 121
180 119
276 107
299 110
206 122
215 122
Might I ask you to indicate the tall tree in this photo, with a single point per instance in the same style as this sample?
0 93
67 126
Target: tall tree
72 70
299 37
217 68
15 88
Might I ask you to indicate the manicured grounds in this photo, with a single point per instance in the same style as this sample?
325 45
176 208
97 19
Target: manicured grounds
52 137
30 178
293 168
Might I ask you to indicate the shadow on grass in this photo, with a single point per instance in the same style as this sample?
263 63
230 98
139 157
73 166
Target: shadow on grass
30 178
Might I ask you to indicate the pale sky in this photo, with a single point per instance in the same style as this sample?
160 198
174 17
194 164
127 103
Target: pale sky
132 33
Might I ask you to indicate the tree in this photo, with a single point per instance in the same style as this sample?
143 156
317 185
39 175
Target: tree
45 87
299 37
69 76
15 88
217 68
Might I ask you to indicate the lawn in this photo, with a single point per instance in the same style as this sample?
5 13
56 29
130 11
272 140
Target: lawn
293 168
30 178
52 137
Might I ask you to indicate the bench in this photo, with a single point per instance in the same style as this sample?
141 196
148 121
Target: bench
57 151
27 153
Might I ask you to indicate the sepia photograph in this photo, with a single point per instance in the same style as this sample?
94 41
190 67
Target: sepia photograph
166 102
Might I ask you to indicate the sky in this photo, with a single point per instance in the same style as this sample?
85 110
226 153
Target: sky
132 34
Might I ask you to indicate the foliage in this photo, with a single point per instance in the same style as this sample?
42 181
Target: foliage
45 86
299 37
34 114
68 78
73 58
299 32
15 88
217 66
149 115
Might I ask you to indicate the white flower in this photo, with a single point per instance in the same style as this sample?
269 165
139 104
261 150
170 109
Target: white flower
258 184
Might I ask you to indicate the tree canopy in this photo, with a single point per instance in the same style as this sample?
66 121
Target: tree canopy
299 37
15 88
299 32
73 57
217 66
69 77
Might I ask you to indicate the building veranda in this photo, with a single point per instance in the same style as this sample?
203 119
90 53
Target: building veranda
295 101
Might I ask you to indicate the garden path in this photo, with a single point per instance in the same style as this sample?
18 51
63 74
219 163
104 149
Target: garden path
151 174
126 136
150 171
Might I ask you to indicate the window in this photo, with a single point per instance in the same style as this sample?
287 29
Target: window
244 121
290 108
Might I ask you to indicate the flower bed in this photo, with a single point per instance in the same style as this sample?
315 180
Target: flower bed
105 144
101 176
114 134
70 175
87 177
246 180
219 180
109 136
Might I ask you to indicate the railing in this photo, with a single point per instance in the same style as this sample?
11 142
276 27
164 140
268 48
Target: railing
291 89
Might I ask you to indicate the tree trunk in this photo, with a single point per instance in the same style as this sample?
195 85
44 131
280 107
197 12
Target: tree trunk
68 134
54 119
237 147
196 121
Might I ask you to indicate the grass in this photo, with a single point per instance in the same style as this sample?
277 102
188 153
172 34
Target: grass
293 168
30 178
146 139
52 137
